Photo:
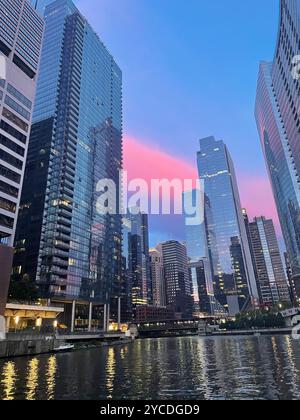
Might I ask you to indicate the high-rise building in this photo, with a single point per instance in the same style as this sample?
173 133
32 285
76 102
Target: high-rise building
177 280
200 259
136 258
157 277
271 279
63 242
202 287
21 34
278 120
233 274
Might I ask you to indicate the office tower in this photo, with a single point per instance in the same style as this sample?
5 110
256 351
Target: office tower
234 279
126 292
278 120
136 258
202 287
271 279
157 277
72 250
177 280
199 256
21 35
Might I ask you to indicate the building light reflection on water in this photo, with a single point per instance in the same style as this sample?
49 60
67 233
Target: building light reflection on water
110 372
51 374
32 379
8 381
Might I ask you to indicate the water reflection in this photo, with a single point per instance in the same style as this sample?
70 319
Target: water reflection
110 372
175 368
32 379
8 381
50 375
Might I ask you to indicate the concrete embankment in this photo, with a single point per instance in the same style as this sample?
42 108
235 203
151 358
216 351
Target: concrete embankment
13 348
270 331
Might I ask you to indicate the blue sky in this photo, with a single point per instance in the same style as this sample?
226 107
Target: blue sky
190 69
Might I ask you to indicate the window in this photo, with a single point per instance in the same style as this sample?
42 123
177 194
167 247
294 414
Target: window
9 174
6 221
11 159
14 119
13 132
18 95
16 107
12 145
8 189
7 205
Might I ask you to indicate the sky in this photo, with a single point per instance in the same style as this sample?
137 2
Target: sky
190 70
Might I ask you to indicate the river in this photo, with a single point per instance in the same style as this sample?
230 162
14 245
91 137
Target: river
165 369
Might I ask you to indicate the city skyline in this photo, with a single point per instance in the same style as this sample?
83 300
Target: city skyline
161 135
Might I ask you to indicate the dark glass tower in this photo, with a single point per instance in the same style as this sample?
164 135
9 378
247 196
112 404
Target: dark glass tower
278 120
72 252
136 258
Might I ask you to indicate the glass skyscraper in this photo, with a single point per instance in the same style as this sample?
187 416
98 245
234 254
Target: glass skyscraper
234 280
200 257
72 252
177 279
270 274
278 120
136 259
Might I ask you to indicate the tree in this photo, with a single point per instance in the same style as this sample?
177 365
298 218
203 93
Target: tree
23 289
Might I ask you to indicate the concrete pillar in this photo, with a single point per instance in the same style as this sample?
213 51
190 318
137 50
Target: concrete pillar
6 258
104 318
8 319
119 314
90 316
73 316
108 317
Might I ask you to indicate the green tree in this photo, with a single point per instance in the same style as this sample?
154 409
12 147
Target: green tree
23 289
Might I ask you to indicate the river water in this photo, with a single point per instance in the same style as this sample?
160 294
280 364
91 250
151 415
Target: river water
169 368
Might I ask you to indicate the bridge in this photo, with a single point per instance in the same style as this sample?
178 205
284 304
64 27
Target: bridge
172 327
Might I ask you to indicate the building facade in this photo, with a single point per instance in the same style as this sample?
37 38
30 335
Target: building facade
202 287
271 278
157 277
136 261
278 120
40 5
233 274
177 280
63 242
21 35
20 46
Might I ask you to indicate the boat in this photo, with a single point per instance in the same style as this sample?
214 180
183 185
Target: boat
64 348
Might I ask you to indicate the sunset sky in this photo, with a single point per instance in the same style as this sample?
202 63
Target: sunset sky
190 70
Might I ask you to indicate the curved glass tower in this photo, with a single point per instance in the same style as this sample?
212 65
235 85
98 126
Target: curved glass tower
232 268
277 114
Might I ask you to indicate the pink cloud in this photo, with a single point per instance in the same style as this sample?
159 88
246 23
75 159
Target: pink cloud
148 161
